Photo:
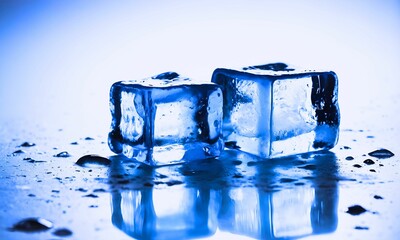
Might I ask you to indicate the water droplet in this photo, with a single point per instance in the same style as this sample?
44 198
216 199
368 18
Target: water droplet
346 147
89 138
32 225
349 158
74 143
356 210
63 154
62 232
378 197
369 162
357 165
166 75
31 160
361 228
91 195
15 153
271 67
27 144
101 190
381 153
92 159
81 190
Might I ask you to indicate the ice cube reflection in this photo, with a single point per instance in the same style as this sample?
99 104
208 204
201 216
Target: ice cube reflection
280 200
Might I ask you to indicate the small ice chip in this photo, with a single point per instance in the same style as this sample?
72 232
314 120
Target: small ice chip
166 119
272 110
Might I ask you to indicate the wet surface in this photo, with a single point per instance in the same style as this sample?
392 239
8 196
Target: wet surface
237 195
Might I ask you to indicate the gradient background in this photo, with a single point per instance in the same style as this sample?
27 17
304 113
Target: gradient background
58 59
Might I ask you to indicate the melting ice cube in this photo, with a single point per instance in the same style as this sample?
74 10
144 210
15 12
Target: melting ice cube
272 110
166 119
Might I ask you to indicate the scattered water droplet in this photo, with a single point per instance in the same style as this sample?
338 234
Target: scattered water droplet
63 154
89 138
92 159
369 162
32 225
74 143
62 232
91 195
101 190
381 153
15 153
31 160
361 228
346 147
378 197
27 144
357 165
356 210
81 190
349 158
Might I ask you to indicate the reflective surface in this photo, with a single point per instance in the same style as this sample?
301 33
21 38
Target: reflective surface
251 201
59 59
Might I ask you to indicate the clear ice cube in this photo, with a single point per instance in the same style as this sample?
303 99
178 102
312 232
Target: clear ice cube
272 110
166 119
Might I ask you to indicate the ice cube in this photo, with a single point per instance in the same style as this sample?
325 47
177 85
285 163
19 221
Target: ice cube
166 119
272 110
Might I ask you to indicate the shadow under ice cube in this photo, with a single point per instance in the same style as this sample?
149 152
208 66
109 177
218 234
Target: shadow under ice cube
272 110
166 119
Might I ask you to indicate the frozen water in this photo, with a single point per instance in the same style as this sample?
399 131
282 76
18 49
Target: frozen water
272 110
166 119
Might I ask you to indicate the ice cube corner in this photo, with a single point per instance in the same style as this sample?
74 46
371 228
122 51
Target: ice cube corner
166 119
273 110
